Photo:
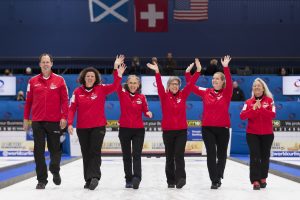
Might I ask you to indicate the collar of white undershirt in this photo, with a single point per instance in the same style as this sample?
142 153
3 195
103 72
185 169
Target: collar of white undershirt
46 78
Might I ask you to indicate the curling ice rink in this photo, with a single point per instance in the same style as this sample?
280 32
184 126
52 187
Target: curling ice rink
236 184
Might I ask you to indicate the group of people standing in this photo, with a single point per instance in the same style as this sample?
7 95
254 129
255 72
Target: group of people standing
47 99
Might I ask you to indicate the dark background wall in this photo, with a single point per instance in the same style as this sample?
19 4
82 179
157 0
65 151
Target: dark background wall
255 28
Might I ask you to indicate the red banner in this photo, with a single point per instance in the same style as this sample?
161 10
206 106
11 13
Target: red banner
151 15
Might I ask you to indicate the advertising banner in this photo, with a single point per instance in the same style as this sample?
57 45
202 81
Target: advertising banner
7 85
153 143
14 141
286 139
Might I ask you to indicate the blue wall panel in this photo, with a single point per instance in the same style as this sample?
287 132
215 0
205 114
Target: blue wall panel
13 110
245 83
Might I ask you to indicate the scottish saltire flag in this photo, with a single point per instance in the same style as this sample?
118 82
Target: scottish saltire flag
191 10
108 10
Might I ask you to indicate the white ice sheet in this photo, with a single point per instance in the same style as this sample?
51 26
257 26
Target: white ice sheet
236 184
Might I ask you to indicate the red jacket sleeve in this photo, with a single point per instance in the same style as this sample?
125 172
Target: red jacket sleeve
28 102
110 88
160 87
187 76
119 88
64 100
228 88
268 112
72 108
145 106
190 84
247 112
197 90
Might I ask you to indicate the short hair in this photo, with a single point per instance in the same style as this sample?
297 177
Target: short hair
46 54
85 71
172 78
125 85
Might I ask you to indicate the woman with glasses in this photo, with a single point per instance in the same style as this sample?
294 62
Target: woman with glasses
174 123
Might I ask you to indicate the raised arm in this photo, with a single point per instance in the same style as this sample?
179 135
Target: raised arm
118 61
117 80
160 87
197 90
191 83
225 62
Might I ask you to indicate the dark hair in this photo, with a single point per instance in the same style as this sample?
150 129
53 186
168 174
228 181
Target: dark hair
85 71
46 54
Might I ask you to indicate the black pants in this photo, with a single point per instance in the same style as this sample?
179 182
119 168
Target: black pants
216 142
51 131
136 137
91 140
259 146
174 148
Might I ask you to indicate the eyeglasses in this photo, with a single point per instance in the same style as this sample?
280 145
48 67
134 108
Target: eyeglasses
174 84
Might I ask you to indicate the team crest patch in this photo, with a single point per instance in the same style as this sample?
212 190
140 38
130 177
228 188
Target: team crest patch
138 101
219 97
93 96
265 105
53 86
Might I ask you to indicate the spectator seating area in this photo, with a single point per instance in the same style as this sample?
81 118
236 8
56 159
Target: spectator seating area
270 66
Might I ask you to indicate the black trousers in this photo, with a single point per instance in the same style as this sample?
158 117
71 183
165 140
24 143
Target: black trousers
216 142
134 136
91 140
259 147
51 131
175 142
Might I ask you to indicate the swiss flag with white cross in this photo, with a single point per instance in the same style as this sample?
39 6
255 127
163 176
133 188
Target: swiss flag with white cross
151 15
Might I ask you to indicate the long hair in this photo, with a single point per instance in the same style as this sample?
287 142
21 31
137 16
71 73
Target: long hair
125 85
267 92
85 71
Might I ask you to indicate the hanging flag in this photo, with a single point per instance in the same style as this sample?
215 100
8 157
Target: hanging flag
151 15
191 10
109 10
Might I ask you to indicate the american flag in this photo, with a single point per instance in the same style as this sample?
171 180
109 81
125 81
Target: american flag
191 10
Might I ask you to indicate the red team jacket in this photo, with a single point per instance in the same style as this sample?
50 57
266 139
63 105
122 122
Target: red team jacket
215 105
132 107
90 105
47 99
174 106
259 120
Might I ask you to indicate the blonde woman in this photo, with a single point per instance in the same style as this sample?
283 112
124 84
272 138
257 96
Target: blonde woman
216 121
259 110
